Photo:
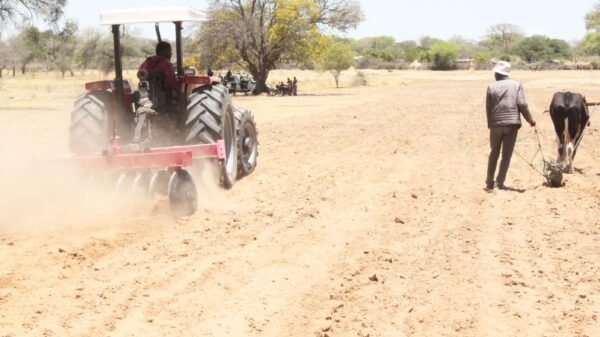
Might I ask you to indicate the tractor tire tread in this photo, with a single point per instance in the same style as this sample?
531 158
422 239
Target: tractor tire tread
88 124
204 124
244 116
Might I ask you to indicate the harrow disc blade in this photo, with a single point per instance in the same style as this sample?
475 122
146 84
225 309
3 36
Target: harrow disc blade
141 184
159 183
124 182
107 181
183 198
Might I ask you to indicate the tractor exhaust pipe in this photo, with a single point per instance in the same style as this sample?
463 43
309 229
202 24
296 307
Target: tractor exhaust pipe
179 51
118 79
158 36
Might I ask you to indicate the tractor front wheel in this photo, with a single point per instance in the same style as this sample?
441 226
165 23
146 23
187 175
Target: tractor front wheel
247 137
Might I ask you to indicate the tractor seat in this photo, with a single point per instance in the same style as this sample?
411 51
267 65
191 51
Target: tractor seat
153 87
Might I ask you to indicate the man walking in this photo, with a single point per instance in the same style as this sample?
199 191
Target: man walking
505 102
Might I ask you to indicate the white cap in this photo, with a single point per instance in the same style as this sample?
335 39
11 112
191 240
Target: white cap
502 68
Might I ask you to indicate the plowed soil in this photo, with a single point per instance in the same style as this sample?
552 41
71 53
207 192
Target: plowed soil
365 217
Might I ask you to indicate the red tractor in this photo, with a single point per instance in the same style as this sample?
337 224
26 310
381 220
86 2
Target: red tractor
147 137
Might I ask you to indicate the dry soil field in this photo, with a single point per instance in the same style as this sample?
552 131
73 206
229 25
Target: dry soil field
366 217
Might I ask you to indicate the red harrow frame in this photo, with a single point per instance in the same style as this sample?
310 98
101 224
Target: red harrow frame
171 157
154 171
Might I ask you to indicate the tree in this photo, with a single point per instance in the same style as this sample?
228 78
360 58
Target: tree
468 48
94 49
591 43
32 45
60 49
443 55
4 57
426 42
337 58
382 47
541 48
258 34
504 36
51 10
559 49
15 52
592 18
409 50
482 59
133 49
87 47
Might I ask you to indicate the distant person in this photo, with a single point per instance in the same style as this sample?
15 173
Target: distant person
160 65
289 87
505 102
295 86
209 72
227 77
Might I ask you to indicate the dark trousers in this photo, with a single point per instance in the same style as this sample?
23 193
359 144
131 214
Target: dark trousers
501 137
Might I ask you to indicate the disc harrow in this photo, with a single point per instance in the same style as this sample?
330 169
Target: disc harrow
150 173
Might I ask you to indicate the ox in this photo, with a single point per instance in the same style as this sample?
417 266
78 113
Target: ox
570 116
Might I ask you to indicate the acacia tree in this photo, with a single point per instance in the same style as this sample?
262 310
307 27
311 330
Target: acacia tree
51 10
100 50
258 34
32 45
88 47
337 58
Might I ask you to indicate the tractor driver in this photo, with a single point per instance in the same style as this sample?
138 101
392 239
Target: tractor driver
160 65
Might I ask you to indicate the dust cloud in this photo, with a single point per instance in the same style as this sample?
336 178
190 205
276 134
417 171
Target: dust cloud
42 190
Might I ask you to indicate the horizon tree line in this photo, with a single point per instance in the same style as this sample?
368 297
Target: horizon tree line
261 35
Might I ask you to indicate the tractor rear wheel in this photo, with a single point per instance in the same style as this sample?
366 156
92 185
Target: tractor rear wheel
209 119
247 141
89 128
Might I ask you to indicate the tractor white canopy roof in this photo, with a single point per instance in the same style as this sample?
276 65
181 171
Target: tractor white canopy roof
151 15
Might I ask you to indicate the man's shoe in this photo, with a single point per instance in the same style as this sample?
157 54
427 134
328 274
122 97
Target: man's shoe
501 187
489 188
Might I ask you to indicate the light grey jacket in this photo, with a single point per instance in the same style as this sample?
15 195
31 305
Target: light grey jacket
505 102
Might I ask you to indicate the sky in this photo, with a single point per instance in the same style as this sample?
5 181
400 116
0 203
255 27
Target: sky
408 20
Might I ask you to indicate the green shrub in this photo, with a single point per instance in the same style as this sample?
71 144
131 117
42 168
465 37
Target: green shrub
443 55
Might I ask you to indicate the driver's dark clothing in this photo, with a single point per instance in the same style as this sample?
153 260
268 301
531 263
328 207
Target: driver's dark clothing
160 65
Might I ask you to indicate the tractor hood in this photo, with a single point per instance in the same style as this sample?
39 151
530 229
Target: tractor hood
151 15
